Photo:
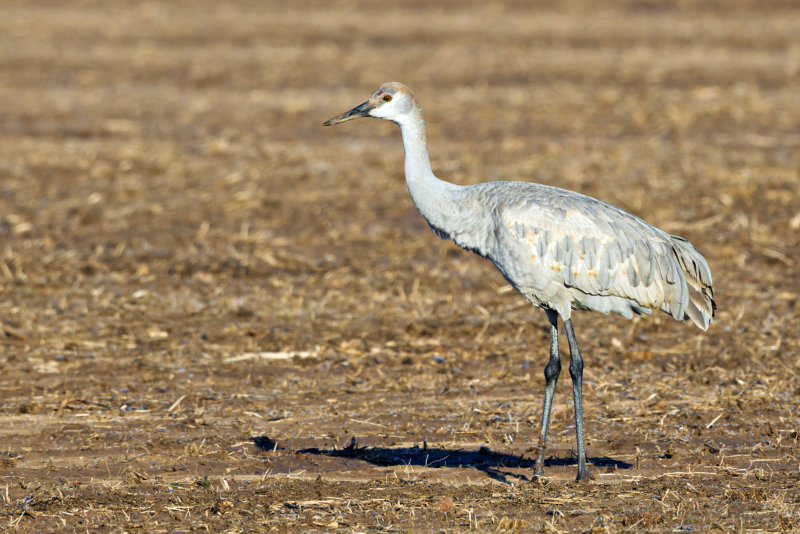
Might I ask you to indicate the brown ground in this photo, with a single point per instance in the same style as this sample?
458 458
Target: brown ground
173 218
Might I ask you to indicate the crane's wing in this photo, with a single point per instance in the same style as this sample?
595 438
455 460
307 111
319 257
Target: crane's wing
601 250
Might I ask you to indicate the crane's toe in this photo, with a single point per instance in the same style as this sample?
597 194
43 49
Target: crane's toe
584 476
538 472
538 478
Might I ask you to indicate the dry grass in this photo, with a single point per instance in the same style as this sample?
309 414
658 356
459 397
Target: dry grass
217 315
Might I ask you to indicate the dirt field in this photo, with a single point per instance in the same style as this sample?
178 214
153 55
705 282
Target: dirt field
216 315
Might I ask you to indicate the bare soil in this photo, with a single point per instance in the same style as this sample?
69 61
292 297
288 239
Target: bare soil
216 315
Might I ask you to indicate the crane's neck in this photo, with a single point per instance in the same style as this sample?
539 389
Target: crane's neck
451 209
434 198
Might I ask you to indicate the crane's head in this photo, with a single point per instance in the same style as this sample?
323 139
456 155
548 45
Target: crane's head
392 101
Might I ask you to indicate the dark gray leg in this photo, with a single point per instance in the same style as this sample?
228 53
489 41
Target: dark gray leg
551 372
576 372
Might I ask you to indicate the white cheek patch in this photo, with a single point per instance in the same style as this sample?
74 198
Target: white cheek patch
381 112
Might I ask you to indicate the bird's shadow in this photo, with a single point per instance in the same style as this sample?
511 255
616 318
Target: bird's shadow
494 464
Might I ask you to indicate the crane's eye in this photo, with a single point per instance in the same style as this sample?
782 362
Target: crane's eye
387 98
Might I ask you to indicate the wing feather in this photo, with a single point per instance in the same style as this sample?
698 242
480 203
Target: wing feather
604 257
597 251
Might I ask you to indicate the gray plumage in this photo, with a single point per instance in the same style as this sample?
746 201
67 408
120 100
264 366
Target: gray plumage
561 250
565 251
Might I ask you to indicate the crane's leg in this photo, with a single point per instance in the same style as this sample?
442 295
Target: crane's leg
551 372
576 372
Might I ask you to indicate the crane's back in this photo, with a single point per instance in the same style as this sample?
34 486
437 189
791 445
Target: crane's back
566 251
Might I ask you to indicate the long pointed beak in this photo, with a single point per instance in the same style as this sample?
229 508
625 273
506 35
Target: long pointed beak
355 113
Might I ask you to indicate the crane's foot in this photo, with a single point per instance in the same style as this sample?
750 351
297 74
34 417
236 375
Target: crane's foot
541 480
584 475
538 474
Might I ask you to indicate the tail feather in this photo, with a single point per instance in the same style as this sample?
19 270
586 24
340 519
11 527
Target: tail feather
701 306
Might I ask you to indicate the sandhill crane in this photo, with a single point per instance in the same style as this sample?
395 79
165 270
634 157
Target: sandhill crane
561 250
